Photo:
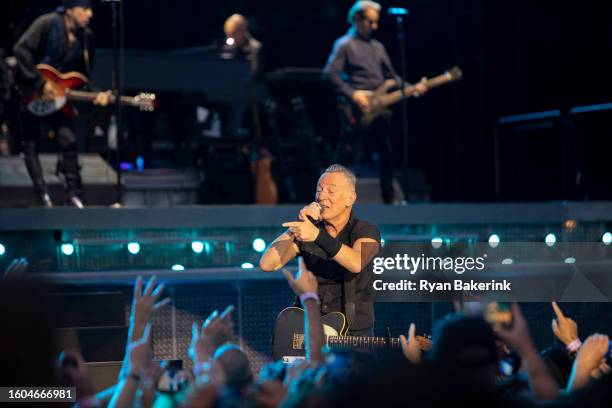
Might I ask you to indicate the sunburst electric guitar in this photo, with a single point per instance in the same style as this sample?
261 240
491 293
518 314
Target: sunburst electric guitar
289 344
65 87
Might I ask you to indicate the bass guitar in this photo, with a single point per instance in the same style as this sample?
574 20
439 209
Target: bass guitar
288 344
381 99
65 85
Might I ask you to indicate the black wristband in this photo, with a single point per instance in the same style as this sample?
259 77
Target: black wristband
331 246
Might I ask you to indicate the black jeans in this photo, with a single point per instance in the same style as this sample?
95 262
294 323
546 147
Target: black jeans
33 128
354 142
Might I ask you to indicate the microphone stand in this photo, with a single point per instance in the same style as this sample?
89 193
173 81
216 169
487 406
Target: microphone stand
117 84
399 15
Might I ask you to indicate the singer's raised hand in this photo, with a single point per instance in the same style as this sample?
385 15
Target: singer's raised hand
313 210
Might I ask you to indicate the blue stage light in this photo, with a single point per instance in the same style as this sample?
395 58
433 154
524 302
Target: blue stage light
606 238
67 249
550 239
494 240
436 242
247 265
133 248
197 247
178 267
259 245
2 249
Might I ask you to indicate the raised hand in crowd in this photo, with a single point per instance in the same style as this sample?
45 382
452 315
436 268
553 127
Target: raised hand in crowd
590 361
210 380
306 281
148 384
411 347
144 304
305 287
517 336
216 330
565 329
139 355
270 394
16 268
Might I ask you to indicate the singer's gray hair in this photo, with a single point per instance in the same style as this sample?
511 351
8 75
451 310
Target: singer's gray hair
338 168
359 7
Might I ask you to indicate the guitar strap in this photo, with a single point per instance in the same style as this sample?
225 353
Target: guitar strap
349 289
349 297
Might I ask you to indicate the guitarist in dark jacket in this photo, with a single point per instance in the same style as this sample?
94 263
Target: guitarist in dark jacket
63 40
359 63
336 247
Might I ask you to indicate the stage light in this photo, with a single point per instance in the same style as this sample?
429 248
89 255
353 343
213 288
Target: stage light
247 265
133 248
570 260
67 249
259 244
507 261
197 247
2 249
178 267
229 41
606 238
382 242
494 240
436 242
550 239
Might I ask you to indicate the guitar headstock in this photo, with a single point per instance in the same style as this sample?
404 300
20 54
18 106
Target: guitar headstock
146 102
454 74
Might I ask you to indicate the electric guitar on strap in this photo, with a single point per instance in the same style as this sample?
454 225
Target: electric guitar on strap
381 99
289 345
65 86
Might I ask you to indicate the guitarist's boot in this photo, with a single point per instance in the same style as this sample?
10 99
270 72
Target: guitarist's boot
69 172
68 166
46 200
36 175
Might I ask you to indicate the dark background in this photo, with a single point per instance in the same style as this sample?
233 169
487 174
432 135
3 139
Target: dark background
517 57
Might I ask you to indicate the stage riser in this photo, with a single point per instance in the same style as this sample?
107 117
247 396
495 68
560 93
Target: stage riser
99 181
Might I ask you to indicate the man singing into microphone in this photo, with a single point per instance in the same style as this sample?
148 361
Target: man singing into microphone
336 247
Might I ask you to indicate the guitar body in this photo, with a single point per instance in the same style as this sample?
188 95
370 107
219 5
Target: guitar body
60 82
288 344
357 117
265 188
376 109
64 86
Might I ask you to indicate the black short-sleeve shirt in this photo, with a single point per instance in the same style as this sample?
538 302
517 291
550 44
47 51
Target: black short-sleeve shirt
331 275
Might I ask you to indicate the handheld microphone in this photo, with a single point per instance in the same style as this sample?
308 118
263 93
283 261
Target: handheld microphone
312 219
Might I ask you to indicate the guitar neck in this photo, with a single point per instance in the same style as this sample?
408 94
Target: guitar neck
83 96
396 96
362 342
